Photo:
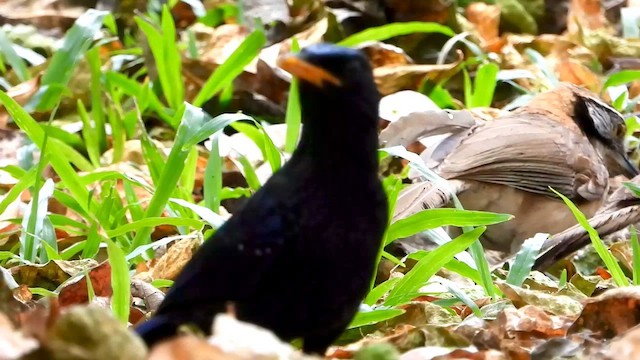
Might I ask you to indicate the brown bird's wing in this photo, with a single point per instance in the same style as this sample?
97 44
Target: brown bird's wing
424 195
530 154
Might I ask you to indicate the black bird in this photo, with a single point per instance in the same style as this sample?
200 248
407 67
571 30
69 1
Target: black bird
298 258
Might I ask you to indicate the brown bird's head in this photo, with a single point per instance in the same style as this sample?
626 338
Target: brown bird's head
605 127
581 110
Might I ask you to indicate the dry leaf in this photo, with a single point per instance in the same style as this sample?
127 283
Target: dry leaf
391 79
50 275
610 314
14 344
91 333
76 292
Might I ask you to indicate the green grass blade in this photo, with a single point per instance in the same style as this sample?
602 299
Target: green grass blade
609 260
375 316
407 288
635 247
75 44
149 222
17 64
525 258
621 78
97 104
433 218
120 282
293 117
484 85
232 67
388 31
213 177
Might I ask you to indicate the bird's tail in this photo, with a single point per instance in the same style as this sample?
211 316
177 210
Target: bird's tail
576 237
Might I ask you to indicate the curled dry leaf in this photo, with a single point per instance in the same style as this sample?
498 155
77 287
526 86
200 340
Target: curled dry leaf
393 78
585 15
13 343
151 295
626 346
77 293
552 303
610 314
91 332
486 20
188 347
532 321
176 257
381 54
397 335
460 354
50 275
21 93
572 71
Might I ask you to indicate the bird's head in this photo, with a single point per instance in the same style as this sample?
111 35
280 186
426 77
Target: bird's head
334 81
606 129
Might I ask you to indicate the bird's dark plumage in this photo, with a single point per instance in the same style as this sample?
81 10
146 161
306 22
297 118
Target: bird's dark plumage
299 257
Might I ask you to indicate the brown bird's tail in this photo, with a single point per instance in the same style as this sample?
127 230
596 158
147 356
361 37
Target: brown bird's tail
576 237
621 210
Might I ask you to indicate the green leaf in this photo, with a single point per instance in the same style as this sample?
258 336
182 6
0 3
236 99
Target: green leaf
17 64
388 31
407 288
484 86
621 78
609 260
232 67
378 292
433 218
373 317
64 61
293 117
635 247
120 282
525 258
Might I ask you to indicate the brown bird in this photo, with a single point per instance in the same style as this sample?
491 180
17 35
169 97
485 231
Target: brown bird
621 210
565 138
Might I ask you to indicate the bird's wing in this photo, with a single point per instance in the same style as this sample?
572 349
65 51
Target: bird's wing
230 265
531 154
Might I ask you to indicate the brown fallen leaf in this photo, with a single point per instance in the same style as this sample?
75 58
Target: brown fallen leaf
381 54
13 343
486 19
171 263
572 71
76 292
21 93
50 275
550 302
626 346
610 314
587 15
92 333
151 295
393 78
188 347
